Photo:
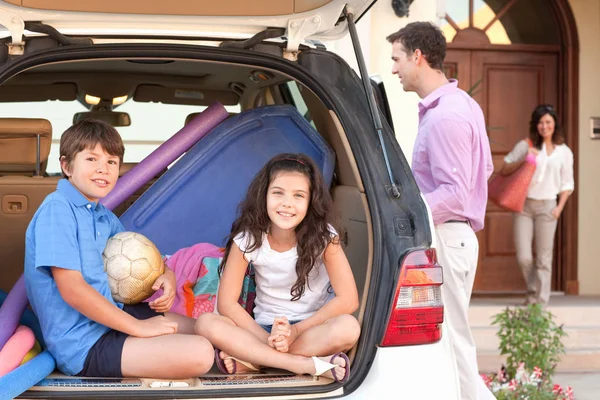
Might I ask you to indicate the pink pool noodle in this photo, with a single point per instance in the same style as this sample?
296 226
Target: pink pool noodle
165 154
15 349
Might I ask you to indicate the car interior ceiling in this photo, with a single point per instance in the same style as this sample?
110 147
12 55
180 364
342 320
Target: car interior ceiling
189 82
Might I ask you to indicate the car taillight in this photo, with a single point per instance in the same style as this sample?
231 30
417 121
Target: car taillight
417 311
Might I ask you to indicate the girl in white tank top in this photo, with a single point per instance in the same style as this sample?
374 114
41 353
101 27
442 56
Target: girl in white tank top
305 290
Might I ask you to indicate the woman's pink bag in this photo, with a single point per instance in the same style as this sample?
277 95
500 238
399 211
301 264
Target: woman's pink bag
509 192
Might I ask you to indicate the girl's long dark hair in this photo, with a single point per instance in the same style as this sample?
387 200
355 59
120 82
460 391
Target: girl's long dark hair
534 135
312 234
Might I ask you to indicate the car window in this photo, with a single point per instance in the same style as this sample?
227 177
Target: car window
298 101
151 123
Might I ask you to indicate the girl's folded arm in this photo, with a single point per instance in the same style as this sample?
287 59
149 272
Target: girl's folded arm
343 285
230 288
77 293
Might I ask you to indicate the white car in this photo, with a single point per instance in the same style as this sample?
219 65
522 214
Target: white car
141 65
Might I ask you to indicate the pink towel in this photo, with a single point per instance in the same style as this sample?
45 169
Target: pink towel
187 265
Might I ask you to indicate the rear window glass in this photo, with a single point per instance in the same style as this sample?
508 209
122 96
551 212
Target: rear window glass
151 123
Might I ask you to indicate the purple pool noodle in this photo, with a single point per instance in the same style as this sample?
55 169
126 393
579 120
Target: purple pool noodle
165 154
25 376
11 310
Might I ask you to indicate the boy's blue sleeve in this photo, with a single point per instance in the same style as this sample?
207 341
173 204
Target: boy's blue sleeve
56 242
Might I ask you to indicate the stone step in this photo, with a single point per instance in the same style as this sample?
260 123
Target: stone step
578 338
580 317
482 315
580 360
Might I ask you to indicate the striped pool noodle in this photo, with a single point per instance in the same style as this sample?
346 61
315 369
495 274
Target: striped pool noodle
22 378
11 310
165 154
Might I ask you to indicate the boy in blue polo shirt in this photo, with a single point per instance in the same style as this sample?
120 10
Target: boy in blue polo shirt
87 332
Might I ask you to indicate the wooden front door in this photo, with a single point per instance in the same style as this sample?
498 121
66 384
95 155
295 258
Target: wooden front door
508 85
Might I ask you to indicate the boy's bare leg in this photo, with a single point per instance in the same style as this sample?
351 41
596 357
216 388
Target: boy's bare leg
174 356
238 342
185 325
334 335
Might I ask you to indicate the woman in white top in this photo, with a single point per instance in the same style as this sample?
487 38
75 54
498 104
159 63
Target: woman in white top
305 290
553 178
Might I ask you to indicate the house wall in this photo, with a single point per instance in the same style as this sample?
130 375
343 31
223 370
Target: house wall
587 18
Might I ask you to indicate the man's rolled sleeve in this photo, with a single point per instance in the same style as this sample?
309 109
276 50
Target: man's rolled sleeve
449 144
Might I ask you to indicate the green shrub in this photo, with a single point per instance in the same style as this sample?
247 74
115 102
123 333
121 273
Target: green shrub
529 335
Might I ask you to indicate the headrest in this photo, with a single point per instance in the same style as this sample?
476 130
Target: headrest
18 145
194 115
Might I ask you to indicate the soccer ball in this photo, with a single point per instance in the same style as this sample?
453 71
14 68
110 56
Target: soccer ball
132 263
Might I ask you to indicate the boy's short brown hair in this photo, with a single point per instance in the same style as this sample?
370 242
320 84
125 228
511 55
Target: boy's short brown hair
87 134
424 36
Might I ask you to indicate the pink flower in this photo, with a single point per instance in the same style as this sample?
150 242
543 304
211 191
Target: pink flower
501 376
513 385
537 372
569 393
557 389
487 380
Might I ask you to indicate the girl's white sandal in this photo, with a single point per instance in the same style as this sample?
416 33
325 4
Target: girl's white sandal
322 366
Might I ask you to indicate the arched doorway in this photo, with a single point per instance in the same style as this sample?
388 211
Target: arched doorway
512 55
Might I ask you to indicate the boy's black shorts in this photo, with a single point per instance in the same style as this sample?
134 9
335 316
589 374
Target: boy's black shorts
104 358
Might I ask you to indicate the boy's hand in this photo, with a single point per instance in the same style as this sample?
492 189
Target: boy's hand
155 326
168 284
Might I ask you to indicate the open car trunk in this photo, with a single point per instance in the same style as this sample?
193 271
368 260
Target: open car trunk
269 91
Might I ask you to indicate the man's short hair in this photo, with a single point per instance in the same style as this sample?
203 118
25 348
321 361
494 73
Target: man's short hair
87 134
424 36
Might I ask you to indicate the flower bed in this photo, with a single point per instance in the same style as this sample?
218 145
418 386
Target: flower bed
525 385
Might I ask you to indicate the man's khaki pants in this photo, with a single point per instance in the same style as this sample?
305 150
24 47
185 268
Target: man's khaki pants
536 219
457 250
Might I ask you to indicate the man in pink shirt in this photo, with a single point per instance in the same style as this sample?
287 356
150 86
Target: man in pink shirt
451 163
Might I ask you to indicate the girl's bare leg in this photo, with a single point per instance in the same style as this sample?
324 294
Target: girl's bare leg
239 343
229 363
334 335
